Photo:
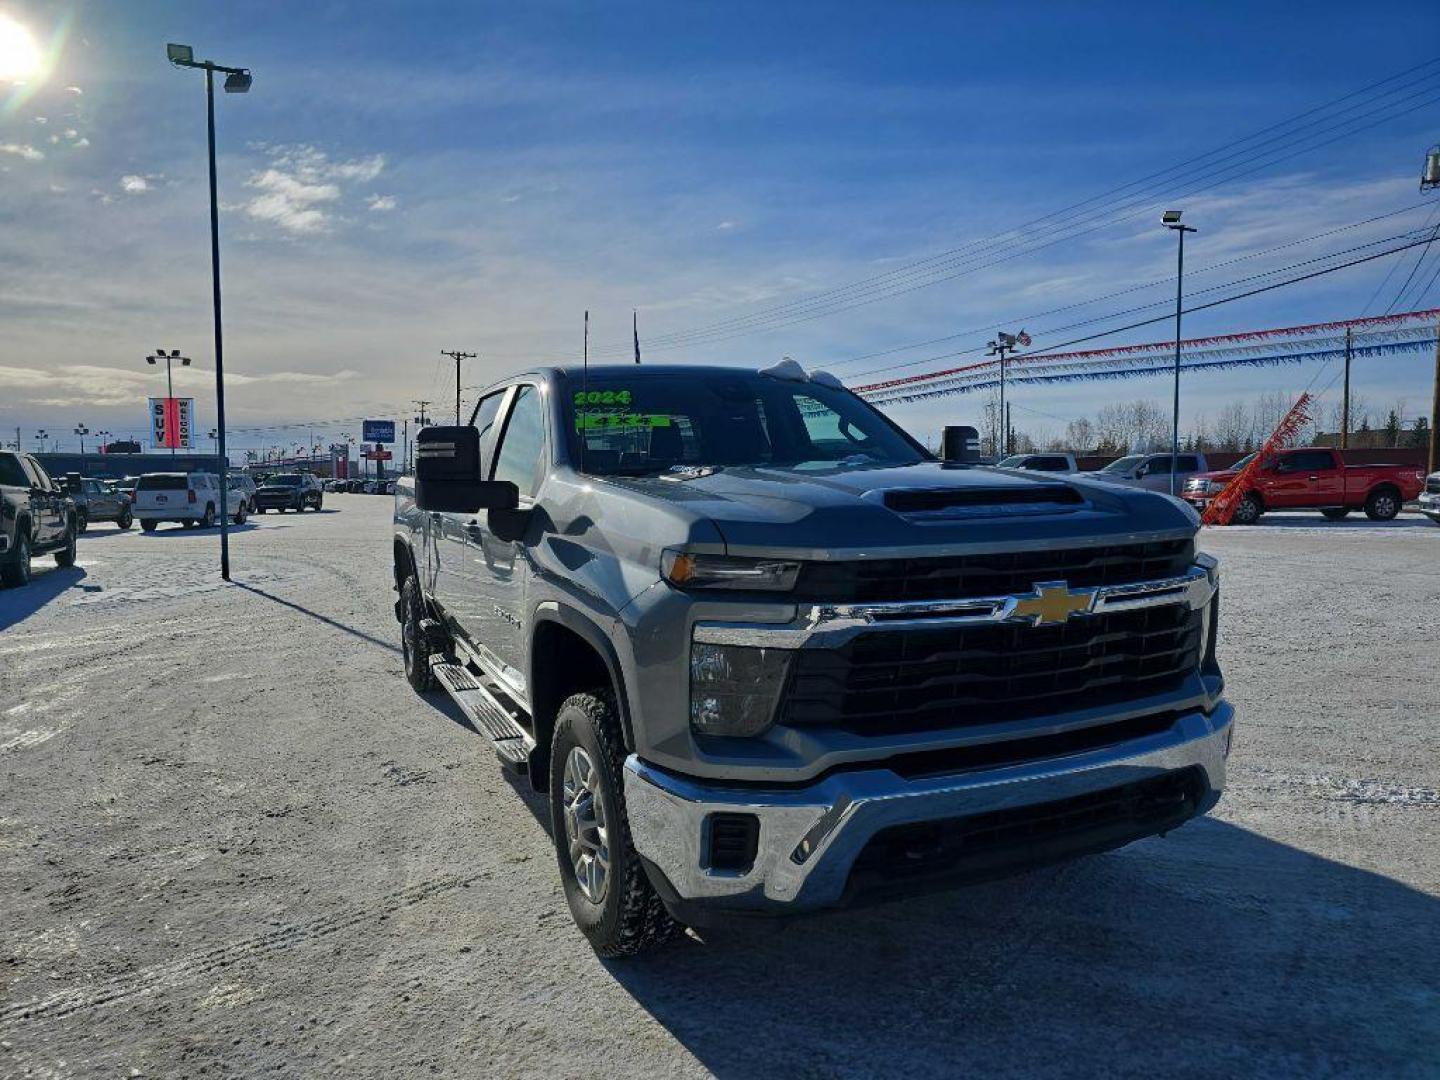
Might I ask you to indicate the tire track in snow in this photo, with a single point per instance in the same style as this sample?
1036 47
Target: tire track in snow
155 978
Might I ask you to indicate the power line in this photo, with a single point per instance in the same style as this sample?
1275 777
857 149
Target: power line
794 310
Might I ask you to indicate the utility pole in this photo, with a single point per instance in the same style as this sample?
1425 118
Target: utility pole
1171 220
1009 433
1434 464
1345 401
457 356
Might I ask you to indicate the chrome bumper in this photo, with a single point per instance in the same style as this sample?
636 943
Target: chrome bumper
810 837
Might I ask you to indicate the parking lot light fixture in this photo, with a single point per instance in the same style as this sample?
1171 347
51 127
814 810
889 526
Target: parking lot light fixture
1171 220
169 356
237 81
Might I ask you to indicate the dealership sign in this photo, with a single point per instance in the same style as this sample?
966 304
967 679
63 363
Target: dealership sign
172 423
379 431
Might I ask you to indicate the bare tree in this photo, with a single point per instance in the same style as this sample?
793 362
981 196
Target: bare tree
1080 434
1234 429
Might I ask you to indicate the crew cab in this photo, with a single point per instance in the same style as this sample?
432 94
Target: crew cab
1311 478
765 654
1152 470
37 516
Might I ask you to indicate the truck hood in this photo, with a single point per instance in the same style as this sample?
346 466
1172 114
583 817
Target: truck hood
853 512
1216 474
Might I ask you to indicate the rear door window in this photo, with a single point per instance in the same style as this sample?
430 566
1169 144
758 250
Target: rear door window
12 474
162 482
521 457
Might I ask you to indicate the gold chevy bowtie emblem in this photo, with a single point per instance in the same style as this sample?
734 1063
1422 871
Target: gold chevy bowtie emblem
1053 602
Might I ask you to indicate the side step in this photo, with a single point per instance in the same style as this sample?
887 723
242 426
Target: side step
486 712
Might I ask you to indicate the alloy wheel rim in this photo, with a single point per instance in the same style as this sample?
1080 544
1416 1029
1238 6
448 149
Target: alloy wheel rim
1384 505
586 834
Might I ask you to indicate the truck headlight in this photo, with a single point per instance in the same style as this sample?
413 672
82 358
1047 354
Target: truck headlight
690 571
734 688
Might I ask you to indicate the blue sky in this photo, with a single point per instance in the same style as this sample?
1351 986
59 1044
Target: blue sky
407 177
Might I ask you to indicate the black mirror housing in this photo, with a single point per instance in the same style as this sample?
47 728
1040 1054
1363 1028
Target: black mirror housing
447 474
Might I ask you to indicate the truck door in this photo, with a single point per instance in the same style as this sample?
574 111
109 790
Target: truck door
503 566
47 503
448 540
1304 478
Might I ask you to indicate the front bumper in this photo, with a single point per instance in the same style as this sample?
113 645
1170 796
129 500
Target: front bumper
264 500
810 837
1430 506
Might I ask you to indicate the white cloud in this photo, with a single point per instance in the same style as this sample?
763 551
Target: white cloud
300 189
82 141
134 185
725 226
29 153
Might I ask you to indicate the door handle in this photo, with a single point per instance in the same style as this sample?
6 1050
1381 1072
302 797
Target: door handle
1314 478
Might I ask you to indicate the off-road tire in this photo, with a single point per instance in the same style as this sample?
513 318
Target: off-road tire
15 571
415 646
148 525
1336 513
1247 511
1383 504
66 555
630 918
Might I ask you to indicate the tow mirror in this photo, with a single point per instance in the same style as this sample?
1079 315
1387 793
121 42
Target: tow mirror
961 445
447 474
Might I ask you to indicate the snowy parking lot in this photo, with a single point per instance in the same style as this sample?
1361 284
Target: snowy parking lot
233 841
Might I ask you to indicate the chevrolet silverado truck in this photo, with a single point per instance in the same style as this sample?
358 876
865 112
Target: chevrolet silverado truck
36 516
1311 478
765 654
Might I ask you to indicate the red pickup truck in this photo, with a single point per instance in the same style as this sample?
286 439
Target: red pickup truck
1312 478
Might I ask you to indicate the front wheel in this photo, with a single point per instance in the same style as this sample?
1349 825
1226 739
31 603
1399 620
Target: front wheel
1248 512
610 898
1382 505
148 526
125 520
1335 513
82 520
239 517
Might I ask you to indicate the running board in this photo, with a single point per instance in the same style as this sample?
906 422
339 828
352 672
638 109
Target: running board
493 720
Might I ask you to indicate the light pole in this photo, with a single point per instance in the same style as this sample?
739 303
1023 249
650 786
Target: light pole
1171 220
1003 345
42 436
237 81
214 444
82 431
169 358
101 437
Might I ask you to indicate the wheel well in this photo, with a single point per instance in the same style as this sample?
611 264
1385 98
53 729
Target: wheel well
404 562
571 666
1385 485
1253 494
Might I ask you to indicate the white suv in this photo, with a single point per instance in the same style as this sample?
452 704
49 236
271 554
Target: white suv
190 498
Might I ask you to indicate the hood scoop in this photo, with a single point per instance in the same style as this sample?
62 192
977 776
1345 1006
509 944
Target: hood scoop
983 502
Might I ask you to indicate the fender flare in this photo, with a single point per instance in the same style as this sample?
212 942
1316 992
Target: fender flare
551 611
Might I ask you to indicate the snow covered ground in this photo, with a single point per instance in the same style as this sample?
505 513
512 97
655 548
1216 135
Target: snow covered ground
234 842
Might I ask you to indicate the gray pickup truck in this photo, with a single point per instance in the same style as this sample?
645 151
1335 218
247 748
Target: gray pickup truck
765 654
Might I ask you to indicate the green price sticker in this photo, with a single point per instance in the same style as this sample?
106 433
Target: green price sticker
601 421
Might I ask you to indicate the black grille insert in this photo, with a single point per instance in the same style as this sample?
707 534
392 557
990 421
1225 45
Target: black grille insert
1007 841
887 681
957 577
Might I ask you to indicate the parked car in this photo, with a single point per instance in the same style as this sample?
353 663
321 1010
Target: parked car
126 487
1312 478
37 517
1057 463
192 499
242 483
290 491
334 485
97 500
764 653
1151 471
1430 498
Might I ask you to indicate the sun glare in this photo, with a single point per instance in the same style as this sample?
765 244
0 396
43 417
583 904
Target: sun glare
20 58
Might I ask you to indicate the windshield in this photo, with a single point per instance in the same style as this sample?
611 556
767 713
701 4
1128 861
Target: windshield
1123 465
285 480
1243 461
649 423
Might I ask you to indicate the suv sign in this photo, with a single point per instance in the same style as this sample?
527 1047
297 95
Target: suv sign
378 431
